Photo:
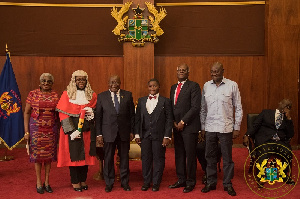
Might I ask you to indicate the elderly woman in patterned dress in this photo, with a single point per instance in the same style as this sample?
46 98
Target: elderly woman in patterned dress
40 122
77 140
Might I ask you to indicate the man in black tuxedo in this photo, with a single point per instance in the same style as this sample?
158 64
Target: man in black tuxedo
114 126
153 131
186 100
273 126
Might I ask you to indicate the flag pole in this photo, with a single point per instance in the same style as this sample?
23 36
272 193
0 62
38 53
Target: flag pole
6 157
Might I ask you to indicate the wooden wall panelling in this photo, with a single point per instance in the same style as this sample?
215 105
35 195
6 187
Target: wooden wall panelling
138 68
138 61
283 56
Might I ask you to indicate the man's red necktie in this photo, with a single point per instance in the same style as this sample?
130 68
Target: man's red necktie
178 91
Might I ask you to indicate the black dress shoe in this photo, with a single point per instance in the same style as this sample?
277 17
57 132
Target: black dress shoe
48 188
188 189
108 188
230 191
208 187
126 187
177 185
40 190
85 187
145 187
78 189
155 187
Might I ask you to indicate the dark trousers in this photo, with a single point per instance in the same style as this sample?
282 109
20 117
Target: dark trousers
185 157
211 155
201 155
109 167
78 173
153 153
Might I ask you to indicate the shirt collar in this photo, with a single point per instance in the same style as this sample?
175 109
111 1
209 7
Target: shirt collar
182 81
118 93
157 95
224 80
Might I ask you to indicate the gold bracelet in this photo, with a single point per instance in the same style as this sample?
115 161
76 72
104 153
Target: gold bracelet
27 133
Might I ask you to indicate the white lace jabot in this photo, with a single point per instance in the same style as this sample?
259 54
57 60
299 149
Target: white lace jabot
80 98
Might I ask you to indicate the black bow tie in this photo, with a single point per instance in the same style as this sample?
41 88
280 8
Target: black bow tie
150 97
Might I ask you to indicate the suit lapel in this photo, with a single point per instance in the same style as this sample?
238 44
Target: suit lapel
143 105
159 107
183 90
272 117
173 92
121 99
109 101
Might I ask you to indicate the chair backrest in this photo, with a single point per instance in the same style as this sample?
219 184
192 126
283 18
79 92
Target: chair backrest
251 117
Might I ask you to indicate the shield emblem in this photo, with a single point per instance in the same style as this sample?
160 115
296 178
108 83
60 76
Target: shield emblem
271 174
138 28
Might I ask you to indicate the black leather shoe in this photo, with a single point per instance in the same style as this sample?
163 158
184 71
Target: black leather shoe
40 190
78 189
108 188
177 185
48 188
188 189
85 187
155 187
230 191
145 187
126 187
208 187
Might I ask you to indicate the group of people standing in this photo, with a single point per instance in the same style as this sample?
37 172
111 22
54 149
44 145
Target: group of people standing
110 119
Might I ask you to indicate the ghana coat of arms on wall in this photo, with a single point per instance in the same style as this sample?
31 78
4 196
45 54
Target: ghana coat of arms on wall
139 29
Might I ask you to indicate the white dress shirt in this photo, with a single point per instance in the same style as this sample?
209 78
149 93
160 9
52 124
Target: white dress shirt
113 96
277 113
218 105
151 104
182 83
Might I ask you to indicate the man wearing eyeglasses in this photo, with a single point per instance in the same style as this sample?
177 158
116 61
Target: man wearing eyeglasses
273 127
186 99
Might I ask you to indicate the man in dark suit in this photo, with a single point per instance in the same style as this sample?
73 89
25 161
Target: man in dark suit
273 127
153 131
186 100
114 126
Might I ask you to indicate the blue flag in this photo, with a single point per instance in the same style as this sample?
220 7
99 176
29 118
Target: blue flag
11 116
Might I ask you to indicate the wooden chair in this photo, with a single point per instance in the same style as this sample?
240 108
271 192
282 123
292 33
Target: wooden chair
134 155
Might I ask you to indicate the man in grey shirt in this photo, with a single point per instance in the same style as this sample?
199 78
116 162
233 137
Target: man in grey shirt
221 101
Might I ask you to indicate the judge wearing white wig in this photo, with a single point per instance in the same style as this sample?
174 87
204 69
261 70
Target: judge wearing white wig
77 146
